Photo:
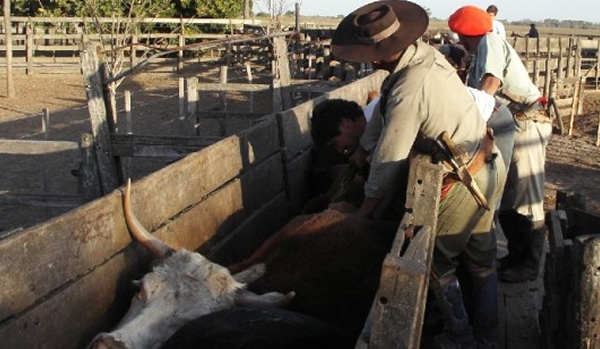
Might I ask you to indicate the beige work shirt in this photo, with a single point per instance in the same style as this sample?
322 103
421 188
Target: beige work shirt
425 99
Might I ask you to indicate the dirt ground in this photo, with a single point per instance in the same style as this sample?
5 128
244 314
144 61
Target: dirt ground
573 162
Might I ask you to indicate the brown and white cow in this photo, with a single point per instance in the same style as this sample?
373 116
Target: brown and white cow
325 265
183 287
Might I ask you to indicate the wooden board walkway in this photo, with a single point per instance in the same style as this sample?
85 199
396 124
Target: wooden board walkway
519 305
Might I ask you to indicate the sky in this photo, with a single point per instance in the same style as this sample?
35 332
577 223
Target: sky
511 10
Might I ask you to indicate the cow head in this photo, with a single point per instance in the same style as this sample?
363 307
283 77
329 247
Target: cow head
183 287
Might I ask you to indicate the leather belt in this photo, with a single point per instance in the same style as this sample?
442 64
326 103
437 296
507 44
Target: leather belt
481 157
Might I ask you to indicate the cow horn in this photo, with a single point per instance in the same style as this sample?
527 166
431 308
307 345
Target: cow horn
139 233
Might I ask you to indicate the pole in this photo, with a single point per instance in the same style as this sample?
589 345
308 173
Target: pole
10 88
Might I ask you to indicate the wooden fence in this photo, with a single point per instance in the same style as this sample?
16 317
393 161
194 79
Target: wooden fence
84 259
570 305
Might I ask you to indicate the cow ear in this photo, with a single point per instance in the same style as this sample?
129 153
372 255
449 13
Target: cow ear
221 282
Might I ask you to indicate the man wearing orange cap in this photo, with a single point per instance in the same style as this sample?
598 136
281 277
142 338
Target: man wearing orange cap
422 98
497 69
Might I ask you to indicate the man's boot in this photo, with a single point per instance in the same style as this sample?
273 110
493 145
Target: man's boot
485 307
515 227
457 330
533 248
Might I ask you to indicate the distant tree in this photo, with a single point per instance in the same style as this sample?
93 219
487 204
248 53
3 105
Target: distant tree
155 8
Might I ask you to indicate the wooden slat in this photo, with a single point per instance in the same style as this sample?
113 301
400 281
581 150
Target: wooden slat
36 261
141 20
249 235
71 318
158 146
296 185
236 87
44 200
202 172
212 220
31 147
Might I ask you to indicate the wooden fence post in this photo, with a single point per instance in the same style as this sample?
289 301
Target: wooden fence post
128 129
133 50
402 294
10 86
586 256
89 180
46 131
107 166
181 43
250 78
181 95
548 75
282 99
575 103
561 65
223 98
598 132
29 48
192 105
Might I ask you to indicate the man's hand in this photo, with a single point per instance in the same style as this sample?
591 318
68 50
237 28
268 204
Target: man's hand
343 207
367 207
359 157
490 84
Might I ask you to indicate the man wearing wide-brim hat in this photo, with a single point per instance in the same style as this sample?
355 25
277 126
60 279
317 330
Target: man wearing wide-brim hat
422 98
497 69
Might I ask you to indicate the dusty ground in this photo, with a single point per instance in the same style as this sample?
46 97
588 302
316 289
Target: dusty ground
573 162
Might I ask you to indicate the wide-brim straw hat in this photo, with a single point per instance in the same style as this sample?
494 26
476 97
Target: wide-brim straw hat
378 30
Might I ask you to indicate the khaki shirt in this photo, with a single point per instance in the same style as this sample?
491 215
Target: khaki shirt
425 99
496 57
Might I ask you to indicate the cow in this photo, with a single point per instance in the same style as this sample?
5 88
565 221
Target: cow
183 287
325 266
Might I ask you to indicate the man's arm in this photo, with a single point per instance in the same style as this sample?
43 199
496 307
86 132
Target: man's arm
368 206
490 84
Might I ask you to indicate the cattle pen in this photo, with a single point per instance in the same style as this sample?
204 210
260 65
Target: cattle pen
66 279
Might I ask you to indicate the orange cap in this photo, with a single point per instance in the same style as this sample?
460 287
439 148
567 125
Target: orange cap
470 21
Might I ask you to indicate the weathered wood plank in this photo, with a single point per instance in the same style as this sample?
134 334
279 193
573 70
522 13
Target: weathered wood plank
296 185
44 200
36 261
212 220
249 235
584 328
158 146
282 98
31 147
107 166
402 294
71 318
202 172
518 311
235 87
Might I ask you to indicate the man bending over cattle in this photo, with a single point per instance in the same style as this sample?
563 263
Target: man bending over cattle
421 100
497 69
